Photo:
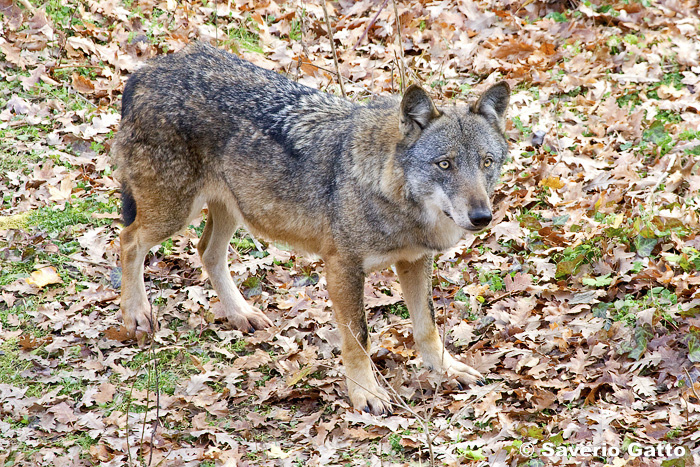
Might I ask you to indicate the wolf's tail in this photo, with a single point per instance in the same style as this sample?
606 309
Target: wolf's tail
128 206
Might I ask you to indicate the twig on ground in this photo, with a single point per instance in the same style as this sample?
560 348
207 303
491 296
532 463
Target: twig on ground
216 28
156 421
126 427
690 383
302 29
145 413
369 26
398 400
65 39
154 359
335 55
402 65
28 6
658 183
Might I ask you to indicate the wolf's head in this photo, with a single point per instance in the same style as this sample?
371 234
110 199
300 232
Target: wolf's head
453 156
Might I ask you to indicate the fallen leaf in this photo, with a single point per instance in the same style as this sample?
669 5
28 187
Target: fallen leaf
45 276
552 182
105 393
275 452
82 84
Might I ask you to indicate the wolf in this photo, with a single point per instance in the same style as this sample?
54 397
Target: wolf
364 186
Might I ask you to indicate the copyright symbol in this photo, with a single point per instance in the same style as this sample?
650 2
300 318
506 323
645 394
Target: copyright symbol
527 449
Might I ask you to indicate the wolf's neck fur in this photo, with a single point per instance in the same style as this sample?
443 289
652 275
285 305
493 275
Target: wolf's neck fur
374 162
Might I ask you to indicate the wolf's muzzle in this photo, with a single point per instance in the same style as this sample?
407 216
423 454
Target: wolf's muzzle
480 217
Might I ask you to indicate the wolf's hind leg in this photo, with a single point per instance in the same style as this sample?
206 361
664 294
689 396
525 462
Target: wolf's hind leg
213 248
153 224
415 280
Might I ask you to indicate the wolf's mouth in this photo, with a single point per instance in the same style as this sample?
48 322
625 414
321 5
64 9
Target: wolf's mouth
470 229
447 214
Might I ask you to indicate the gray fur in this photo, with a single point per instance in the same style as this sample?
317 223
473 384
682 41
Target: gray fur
360 184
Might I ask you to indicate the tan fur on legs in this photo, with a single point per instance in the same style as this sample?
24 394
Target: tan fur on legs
213 248
134 302
346 289
160 215
136 240
415 280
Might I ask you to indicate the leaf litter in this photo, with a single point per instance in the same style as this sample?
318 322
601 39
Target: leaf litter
580 304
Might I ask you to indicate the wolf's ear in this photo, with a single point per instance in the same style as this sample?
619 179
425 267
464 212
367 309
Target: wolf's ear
493 104
417 110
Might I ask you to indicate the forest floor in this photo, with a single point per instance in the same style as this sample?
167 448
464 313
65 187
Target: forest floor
581 303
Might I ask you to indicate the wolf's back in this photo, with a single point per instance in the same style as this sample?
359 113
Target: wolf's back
206 94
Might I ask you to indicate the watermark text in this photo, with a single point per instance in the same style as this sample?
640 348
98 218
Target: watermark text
658 451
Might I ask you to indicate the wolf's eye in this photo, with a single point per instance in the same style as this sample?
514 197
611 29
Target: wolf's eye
488 162
444 165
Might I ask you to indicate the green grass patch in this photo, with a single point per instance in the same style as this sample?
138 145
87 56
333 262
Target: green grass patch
522 128
174 366
62 227
60 12
625 310
689 135
399 309
395 443
295 30
493 279
243 243
13 160
11 366
557 16
237 347
669 116
13 270
55 221
245 37
72 100
72 386
572 258
17 312
631 99
688 259
66 74
693 151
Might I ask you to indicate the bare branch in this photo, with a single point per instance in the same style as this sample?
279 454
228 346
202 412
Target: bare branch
335 55
402 64
369 26
690 383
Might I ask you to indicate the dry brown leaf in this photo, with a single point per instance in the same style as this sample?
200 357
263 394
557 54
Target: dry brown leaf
44 276
82 84
105 393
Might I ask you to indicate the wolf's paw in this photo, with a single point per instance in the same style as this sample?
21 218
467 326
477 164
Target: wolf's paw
460 372
139 322
370 398
247 318
463 373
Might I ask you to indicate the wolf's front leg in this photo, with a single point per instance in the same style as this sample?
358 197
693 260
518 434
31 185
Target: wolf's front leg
346 289
415 279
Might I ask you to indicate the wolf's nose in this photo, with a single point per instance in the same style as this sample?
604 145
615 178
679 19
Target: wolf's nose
480 217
